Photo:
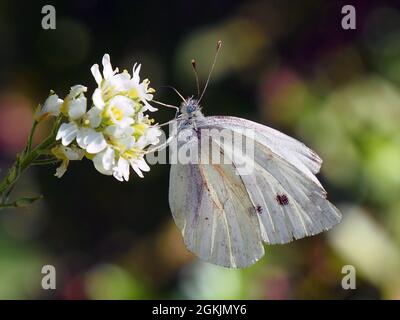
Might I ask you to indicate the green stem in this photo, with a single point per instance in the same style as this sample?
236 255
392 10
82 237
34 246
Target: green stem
30 139
27 158
41 162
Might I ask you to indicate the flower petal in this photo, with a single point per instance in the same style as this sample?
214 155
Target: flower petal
107 68
76 91
142 164
104 161
94 117
98 99
67 133
152 135
115 131
137 170
121 171
91 140
81 137
109 159
51 106
124 104
135 73
96 73
77 108
139 165
148 106
120 82
95 142
121 109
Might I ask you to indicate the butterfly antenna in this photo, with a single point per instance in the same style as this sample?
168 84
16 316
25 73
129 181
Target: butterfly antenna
165 123
219 45
197 77
176 91
168 106
165 104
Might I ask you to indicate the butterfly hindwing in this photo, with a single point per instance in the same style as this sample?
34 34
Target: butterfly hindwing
217 219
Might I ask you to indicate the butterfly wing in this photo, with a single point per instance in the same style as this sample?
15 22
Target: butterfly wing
280 144
211 207
284 169
224 216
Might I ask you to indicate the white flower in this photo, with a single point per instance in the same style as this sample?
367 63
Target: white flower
87 138
82 125
149 137
121 137
75 102
121 169
112 83
108 84
114 132
66 154
52 106
120 110
140 90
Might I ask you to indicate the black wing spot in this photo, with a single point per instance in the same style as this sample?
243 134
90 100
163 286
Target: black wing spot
282 199
259 209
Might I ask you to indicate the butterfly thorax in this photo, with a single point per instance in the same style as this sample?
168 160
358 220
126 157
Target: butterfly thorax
190 114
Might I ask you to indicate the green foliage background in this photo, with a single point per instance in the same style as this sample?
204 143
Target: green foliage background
285 64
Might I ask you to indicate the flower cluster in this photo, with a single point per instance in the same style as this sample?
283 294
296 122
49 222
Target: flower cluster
114 132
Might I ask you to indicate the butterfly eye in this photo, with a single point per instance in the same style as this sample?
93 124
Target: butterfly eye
191 108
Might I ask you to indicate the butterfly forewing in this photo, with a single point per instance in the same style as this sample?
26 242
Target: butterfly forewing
290 149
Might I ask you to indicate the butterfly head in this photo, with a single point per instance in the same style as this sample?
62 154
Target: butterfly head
190 107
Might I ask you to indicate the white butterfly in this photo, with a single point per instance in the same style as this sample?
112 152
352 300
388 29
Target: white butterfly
225 216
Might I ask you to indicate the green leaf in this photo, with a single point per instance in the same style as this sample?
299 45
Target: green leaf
24 202
21 203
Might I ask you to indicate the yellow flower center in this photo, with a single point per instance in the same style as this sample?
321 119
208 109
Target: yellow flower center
117 113
132 93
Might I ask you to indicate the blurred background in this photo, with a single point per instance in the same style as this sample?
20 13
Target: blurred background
286 64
